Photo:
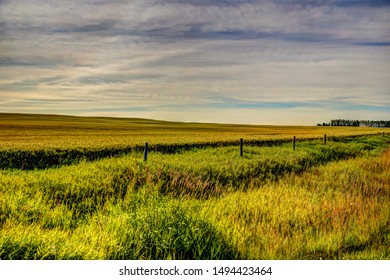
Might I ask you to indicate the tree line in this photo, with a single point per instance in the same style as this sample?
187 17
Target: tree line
367 123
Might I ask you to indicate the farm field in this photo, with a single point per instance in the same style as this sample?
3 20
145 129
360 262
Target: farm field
34 132
197 202
42 141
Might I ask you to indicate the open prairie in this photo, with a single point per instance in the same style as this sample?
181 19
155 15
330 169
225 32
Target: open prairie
67 132
79 188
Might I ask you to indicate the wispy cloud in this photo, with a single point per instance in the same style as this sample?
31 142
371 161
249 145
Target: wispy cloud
174 59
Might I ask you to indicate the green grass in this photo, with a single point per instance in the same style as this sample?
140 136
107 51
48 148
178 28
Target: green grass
337 211
317 202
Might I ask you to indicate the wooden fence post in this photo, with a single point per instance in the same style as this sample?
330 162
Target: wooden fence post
146 152
294 144
241 147
324 139
383 134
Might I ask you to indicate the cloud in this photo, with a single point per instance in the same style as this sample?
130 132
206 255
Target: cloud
157 56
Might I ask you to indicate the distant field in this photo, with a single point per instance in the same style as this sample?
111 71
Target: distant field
190 200
41 141
64 132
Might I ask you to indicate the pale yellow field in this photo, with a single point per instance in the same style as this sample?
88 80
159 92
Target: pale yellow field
26 132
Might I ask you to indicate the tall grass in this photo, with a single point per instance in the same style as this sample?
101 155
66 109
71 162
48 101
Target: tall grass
204 204
337 211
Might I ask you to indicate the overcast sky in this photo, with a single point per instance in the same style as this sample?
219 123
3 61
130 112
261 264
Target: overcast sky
230 61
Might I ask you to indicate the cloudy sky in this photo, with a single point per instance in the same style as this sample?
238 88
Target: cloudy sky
230 61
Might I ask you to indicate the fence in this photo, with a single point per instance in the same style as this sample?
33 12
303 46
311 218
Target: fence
146 148
41 159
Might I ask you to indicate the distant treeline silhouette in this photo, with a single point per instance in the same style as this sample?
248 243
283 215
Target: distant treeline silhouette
342 122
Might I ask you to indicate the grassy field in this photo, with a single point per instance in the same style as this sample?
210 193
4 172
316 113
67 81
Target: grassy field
34 132
199 202
43 141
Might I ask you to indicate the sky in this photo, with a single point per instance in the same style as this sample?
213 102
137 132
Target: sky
225 61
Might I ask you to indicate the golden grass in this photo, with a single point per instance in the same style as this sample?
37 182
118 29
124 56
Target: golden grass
26 132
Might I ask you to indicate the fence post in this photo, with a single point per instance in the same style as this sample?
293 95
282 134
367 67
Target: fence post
146 152
383 133
241 147
294 144
324 139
